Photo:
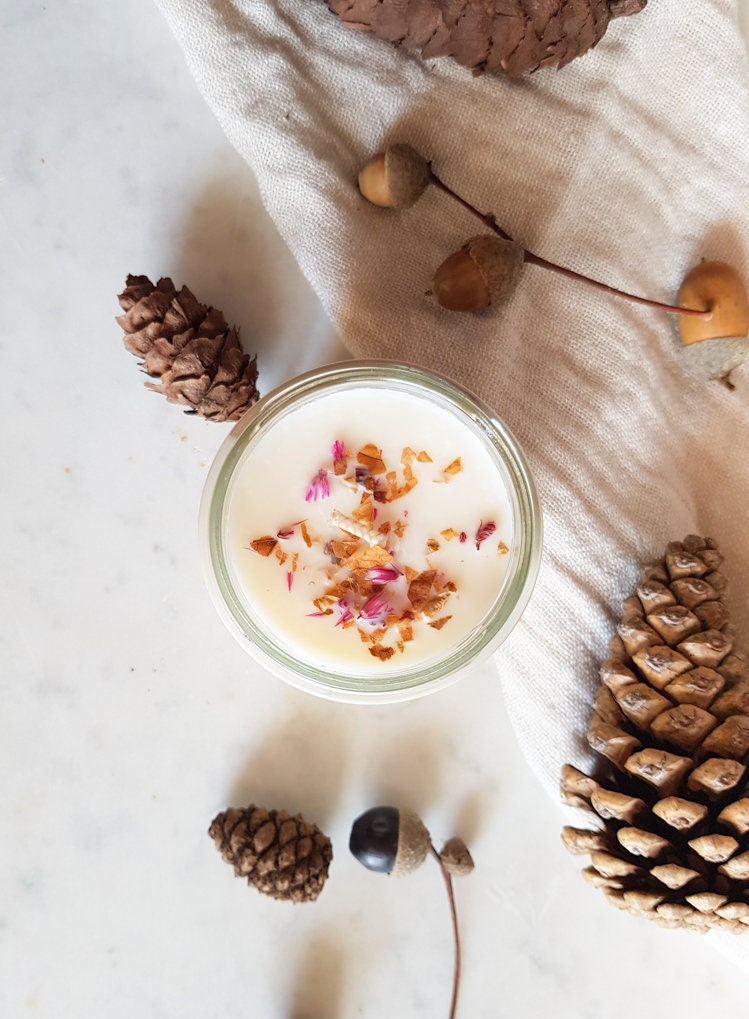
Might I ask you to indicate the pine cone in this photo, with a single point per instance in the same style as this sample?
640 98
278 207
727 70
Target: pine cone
513 36
189 347
671 724
282 856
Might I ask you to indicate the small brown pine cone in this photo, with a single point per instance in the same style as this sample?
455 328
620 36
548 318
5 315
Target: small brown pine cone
671 729
514 36
189 347
282 856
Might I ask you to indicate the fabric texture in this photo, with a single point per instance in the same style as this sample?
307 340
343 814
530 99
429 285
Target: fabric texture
630 165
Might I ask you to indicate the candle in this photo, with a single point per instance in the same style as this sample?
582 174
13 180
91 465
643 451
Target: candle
369 529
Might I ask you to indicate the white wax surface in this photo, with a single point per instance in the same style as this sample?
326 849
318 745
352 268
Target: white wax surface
268 491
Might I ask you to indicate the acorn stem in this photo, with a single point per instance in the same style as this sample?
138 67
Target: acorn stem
456 935
532 259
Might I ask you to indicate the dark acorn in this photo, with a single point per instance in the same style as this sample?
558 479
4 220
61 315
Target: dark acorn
389 840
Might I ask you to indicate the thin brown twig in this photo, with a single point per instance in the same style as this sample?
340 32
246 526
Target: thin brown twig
532 259
456 935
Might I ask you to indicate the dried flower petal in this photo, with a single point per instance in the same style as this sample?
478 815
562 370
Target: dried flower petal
453 468
345 614
437 624
340 460
265 545
485 530
420 588
383 574
319 487
383 653
375 609
370 457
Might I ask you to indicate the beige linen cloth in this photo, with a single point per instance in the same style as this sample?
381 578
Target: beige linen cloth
630 165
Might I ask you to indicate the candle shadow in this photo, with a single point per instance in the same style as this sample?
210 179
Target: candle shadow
298 765
409 771
317 987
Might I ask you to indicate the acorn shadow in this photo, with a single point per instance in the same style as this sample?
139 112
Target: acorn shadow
409 771
318 983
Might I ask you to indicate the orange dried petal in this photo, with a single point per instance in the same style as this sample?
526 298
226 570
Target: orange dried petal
369 456
265 545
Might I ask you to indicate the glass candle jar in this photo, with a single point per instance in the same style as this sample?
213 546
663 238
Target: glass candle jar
369 530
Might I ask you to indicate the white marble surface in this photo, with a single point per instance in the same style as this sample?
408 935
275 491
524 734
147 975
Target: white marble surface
129 717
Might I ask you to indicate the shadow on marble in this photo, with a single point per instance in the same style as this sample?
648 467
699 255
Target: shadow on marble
230 254
297 766
317 982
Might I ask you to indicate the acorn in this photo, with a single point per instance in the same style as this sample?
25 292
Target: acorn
717 344
390 840
715 287
482 274
395 178
456 858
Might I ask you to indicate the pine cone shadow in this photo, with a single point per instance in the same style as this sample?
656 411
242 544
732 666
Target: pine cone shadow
298 765
318 981
232 256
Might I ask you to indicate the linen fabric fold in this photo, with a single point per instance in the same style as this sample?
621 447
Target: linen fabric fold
630 165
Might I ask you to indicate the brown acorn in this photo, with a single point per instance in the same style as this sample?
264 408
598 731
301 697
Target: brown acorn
395 178
482 274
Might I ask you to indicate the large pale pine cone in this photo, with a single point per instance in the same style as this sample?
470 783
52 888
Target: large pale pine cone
671 726
513 36
188 346
282 856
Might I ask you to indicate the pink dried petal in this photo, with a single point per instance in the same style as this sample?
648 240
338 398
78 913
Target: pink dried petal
284 533
311 614
346 615
383 574
289 579
374 609
339 450
462 537
484 531
319 487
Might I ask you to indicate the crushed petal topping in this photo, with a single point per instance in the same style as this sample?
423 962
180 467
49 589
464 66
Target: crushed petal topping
365 585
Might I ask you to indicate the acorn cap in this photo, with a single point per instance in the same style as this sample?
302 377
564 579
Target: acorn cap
456 858
395 178
414 842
